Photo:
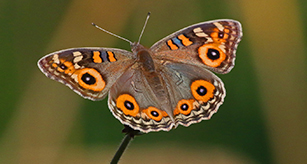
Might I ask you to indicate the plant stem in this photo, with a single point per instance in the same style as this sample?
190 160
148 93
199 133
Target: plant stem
130 134
121 149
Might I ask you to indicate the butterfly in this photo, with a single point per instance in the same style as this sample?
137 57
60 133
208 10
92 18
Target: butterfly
156 88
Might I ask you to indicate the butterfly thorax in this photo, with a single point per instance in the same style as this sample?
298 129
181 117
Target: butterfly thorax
144 57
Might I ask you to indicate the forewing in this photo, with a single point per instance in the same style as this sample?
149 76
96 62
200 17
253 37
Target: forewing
90 72
209 44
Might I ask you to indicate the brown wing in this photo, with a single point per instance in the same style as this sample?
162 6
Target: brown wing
90 72
209 44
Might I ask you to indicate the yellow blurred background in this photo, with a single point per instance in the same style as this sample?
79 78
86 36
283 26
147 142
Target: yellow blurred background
263 119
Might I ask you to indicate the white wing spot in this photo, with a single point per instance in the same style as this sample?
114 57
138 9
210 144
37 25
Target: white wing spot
77 53
219 26
55 59
77 59
77 66
75 77
199 32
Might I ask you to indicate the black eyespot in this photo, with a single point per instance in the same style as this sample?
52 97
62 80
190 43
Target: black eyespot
88 79
201 90
63 67
184 107
213 54
221 35
129 105
154 113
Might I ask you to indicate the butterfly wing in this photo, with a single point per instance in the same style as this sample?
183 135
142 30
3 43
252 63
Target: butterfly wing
177 89
173 94
209 44
196 92
138 99
90 72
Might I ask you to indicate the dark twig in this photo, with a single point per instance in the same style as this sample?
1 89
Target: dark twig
130 134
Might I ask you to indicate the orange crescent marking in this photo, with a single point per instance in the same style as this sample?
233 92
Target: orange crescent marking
99 82
214 35
176 111
226 34
120 104
202 53
209 87
171 45
70 70
111 56
54 65
226 30
60 69
96 57
185 40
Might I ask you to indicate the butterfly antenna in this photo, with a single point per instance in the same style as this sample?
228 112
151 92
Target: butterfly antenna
148 15
112 33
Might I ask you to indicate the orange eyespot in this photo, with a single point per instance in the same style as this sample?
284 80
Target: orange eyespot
220 36
211 55
91 79
155 113
184 106
64 66
54 65
202 90
127 104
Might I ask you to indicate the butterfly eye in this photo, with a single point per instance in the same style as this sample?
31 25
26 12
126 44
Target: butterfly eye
184 106
127 104
91 79
211 55
202 90
155 113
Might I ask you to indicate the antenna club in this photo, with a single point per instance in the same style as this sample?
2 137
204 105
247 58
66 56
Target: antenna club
148 15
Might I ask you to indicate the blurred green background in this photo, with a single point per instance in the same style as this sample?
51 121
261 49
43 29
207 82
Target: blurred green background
263 119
